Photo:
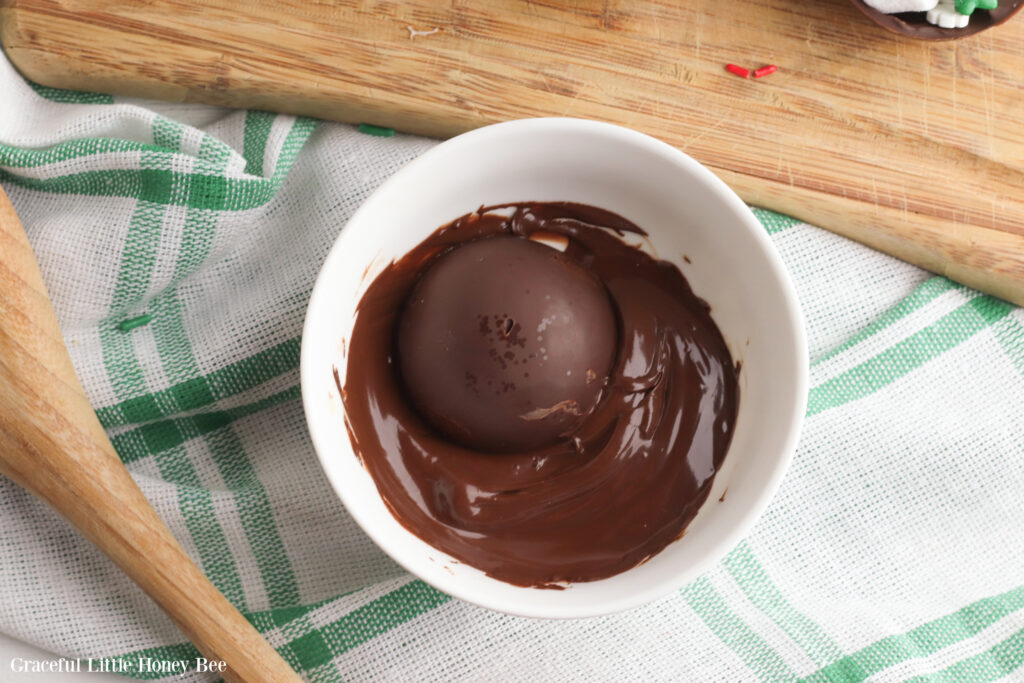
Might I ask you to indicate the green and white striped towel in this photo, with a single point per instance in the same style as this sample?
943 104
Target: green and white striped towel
894 549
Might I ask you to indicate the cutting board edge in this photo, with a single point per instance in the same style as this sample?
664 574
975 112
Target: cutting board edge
896 232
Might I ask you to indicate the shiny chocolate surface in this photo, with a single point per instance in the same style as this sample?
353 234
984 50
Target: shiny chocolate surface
592 503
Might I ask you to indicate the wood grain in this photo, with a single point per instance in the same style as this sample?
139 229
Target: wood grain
52 444
914 148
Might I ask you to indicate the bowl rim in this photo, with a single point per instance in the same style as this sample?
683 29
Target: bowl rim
786 289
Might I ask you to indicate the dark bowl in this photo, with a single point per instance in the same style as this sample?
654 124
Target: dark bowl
914 25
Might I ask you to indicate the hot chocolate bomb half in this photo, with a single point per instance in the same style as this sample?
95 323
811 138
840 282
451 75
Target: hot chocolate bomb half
914 25
505 345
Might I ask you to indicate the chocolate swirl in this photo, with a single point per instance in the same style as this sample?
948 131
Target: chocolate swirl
623 486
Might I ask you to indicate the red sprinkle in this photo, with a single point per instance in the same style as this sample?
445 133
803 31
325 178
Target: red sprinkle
738 70
765 70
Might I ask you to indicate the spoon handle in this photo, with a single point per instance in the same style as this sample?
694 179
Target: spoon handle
52 444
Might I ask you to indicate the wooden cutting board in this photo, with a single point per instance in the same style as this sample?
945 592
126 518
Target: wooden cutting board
914 148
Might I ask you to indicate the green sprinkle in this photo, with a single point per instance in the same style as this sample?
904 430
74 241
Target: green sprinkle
968 6
132 323
379 131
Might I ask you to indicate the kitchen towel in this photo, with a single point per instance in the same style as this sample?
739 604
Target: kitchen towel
179 244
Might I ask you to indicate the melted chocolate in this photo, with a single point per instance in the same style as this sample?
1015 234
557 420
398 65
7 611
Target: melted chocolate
624 485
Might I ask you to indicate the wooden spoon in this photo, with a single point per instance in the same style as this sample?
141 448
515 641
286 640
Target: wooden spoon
52 444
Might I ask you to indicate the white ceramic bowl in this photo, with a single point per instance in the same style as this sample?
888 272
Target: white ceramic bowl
687 211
